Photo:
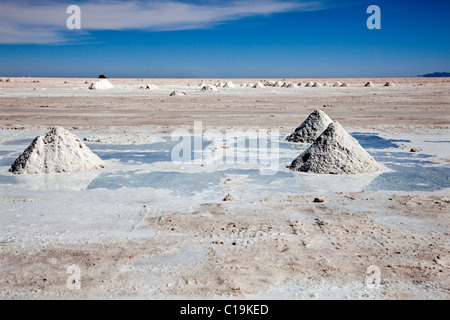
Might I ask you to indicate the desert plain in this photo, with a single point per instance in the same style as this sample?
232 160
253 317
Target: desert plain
146 227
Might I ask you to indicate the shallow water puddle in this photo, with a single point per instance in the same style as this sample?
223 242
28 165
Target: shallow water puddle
150 166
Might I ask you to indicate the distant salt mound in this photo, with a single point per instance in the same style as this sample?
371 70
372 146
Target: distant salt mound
150 87
285 84
344 85
309 84
389 84
316 85
258 85
1 80
209 89
337 84
202 84
311 128
57 151
291 85
229 84
101 84
300 84
178 94
369 84
335 152
269 84
278 84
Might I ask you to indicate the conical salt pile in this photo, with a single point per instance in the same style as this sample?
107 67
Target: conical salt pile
311 128
57 151
210 88
177 93
316 84
344 85
150 87
335 152
101 84
258 85
337 84
291 85
309 84
389 84
229 84
202 84
369 84
278 84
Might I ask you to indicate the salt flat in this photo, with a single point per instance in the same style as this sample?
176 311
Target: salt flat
147 227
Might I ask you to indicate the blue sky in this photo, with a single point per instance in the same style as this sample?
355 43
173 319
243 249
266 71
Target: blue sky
218 39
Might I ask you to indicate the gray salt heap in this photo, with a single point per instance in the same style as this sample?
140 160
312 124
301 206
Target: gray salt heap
311 128
335 152
57 151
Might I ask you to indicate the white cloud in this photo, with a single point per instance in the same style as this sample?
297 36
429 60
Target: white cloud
28 22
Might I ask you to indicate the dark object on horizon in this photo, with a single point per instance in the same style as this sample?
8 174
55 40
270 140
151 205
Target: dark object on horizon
436 75
101 77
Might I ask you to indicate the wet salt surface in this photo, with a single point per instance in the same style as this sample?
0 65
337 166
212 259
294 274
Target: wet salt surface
150 166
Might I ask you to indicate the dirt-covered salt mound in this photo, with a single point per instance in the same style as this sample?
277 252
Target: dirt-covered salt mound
311 128
57 151
335 152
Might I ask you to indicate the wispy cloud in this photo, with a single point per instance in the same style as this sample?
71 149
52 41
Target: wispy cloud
45 22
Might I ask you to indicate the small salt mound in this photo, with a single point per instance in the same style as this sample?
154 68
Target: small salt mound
284 85
258 85
202 84
269 84
101 84
389 84
325 84
291 85
278 84
210 88
337 84
151 87
57 151
300 84
344 85
369 84
335 152
8 80
1 80
220 84
178 93
316 84
311 128
243 85
229 84
309 84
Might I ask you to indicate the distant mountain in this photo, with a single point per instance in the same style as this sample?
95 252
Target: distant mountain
436 74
